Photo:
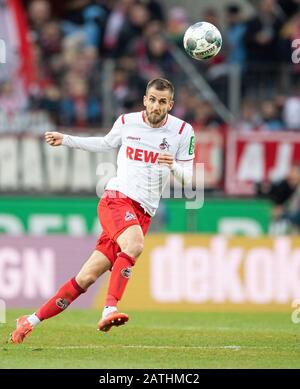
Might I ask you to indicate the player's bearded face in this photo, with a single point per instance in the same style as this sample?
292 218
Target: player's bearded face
155 116
157 104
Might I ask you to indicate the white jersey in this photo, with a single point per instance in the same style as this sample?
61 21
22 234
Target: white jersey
139 176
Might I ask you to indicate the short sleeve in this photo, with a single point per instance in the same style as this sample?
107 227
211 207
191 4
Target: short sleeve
186 147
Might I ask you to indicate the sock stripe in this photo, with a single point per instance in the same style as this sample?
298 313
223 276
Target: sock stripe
76 286
128 257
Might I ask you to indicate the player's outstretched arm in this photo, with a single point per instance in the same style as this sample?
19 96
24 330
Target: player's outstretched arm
54 138
94 144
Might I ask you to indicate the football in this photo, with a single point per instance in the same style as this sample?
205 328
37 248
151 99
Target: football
202 40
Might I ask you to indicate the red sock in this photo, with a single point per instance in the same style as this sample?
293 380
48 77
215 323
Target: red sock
119 277
63 298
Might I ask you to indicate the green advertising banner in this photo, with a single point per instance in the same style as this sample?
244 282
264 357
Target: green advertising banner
245 217
76 216
72 216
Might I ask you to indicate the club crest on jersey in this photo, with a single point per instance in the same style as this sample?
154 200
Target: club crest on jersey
129 216
164 145
126 272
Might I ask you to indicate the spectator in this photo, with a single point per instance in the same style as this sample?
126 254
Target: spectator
285 197
67 48
10 100
50 38
50 102
262 48
155 9
210 15
121 91
160 61
144 46
262 33
115 23
183 96
78 108
177 24
39 13
236 29
291 110
270 118
250 120
87 20
136 83
138 18
205 117
289 7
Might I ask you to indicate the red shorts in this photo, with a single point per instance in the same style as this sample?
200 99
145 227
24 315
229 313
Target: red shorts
117 212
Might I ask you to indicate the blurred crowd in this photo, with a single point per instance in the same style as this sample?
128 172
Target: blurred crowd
285 199
71 48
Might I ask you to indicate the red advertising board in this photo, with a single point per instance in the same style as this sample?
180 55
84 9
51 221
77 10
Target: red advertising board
209 150
257 157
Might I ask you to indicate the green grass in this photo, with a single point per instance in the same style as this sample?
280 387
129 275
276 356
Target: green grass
157 340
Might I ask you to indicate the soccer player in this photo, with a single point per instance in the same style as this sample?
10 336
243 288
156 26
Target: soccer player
152 143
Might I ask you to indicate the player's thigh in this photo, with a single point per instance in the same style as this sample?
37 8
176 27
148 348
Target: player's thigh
94 267
116 214
131 240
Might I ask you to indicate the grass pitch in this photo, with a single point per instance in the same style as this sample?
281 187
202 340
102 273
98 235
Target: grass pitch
157 340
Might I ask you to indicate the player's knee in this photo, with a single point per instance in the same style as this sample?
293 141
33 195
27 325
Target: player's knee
135 248
138 249
86 280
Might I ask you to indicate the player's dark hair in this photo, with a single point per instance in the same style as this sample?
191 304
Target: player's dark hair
161 84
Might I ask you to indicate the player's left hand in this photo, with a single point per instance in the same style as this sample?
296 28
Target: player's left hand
166 159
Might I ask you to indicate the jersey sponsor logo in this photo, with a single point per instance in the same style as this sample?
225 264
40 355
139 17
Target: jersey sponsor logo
164 145
141 155
192 145
126 272
129 216
133 138
62 303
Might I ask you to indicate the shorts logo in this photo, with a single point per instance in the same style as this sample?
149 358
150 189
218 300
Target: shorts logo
126 273
164 145
62 303
129 216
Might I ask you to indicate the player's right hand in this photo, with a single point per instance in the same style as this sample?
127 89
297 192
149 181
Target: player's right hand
54 138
